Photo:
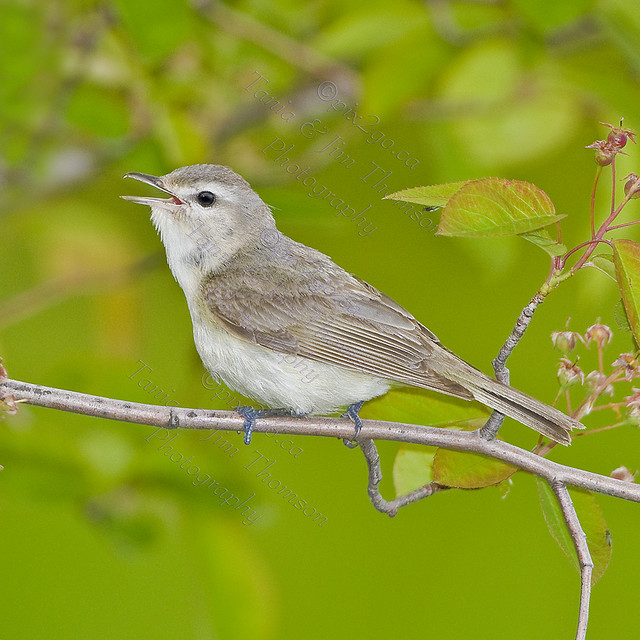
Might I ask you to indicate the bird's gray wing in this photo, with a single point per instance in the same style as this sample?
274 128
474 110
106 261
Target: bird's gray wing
298 309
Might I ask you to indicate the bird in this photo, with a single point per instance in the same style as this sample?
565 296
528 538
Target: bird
282 324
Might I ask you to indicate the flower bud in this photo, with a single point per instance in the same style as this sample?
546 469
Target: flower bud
633 414
622 473
630 364
569 373
618 136
605 152
595 381
565 341
632 185
8 403
600 334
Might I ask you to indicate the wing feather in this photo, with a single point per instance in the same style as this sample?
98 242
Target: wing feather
355 326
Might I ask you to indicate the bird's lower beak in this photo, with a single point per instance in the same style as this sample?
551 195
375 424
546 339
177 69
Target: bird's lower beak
167 203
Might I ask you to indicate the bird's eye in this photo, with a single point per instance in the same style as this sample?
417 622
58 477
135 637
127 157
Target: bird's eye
206 198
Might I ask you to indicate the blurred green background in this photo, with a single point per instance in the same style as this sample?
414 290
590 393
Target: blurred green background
102 535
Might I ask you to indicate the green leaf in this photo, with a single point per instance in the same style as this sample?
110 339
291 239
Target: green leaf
542 238
604 262
555 521
595 527
435 195
412 468
493 207
591 520
468 470
620 316
626 258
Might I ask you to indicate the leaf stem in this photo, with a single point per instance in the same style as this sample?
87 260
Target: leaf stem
599 429
613 186
593 201
580 246
620 226
605 227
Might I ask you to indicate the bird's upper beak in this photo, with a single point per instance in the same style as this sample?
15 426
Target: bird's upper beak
165 203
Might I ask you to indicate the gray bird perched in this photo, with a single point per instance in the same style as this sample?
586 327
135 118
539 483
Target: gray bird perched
281 323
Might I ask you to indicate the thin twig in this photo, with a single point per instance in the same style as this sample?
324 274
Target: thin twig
179 418
390 507
493 424
490 428
502 373
582 549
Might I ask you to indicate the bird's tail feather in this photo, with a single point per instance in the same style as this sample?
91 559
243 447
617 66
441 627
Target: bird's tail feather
528 411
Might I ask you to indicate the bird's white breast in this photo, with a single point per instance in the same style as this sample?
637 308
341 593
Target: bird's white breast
278 380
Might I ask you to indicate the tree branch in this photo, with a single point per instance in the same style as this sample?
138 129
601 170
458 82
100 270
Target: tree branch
582 549
180 418
390 507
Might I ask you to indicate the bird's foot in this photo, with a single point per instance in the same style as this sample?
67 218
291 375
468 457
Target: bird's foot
250 416
352 412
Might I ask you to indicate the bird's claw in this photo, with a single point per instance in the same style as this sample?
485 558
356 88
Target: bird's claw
352 413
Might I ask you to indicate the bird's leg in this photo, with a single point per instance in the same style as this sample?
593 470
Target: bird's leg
250 416
352 412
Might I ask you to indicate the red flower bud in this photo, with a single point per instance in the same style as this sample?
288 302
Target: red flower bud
618 136
607 150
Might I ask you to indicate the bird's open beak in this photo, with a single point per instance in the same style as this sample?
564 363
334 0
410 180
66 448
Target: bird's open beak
166 203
